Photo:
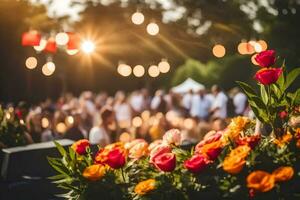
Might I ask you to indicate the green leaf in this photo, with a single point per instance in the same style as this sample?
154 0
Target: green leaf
60 148
264 94
247 89
296 97
291 77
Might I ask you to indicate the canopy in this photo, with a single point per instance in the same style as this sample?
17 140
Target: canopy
187 85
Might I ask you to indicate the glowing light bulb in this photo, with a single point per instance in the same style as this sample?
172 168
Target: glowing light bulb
62 38
88 47
152 29
45 122
48 68
138 71
137 122
219 51
164 66
124 70
137 18
153 71
41 46
31 62
72 52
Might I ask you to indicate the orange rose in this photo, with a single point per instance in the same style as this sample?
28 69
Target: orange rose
235 127
80 146
285 139
94 172
212 150
233 164
260 181
241 151
283 174
145 187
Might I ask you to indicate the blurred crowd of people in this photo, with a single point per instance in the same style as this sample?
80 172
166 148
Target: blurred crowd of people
104 119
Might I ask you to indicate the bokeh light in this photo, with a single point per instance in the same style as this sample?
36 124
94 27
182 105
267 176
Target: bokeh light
31 62
164 66
41 46
45 122
152 29
61 127
48 68
263 44
253 59
153 71
257 47
87 46
219 51
138 70
69 120
62 38
137 18
137 122
124 70
72 52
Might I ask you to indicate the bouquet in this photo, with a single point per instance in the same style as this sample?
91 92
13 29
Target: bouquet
242 161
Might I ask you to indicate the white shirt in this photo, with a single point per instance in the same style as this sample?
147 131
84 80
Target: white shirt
220 102
155 102
98 135
239 102
200 106
137 102
123 112
187 101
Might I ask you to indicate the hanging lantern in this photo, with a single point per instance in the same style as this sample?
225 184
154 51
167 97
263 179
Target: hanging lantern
74 41
31 38
51 46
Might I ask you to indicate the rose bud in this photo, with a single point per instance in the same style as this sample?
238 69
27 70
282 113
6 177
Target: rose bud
196 163
266 58
116 158
268 76
283 114
172 136
80 146
165 162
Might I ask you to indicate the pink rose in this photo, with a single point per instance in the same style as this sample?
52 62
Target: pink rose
268 76
172 136
158 150
154 144
129 145
266 58
196 163
165 162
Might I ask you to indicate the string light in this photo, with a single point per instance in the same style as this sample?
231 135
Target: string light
137 18
138 71
219 51
152 29
124 70
31 62
62 38
48 68
153 71
41 46
164 66
87 46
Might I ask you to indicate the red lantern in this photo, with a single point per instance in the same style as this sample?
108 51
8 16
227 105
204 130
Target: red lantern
51 46
31 38
74 41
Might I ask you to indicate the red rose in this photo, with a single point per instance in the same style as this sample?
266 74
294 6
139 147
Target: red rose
158 150
268 76
165 162
116 158
196 163
80 146
283 114
266 58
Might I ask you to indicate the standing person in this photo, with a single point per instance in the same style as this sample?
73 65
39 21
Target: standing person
101 134
239 101
200 105
158 103
219 106
187 100
123 110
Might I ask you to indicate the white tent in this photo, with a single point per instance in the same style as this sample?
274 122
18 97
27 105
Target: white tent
187 85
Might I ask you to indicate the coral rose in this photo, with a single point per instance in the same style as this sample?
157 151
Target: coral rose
172 136
266 58
196 163
211 150
283 174
260 181
144 187
94 172
165 162
80 146
268 76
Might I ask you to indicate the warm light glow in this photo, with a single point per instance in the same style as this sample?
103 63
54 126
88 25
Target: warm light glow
22 122
62 38
257 47
219 51
31 62
45 122
48 68
137 18
61 127
164 66
242 48
124 70
188 123
153 71
137 122
8 116
138 71
263 44
69 120
253 59
152 29
125 137
72 52
87 46
146 115
41 46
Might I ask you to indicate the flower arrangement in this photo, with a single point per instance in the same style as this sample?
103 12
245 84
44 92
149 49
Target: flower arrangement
238 163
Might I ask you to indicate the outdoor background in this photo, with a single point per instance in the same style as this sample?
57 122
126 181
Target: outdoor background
188 31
